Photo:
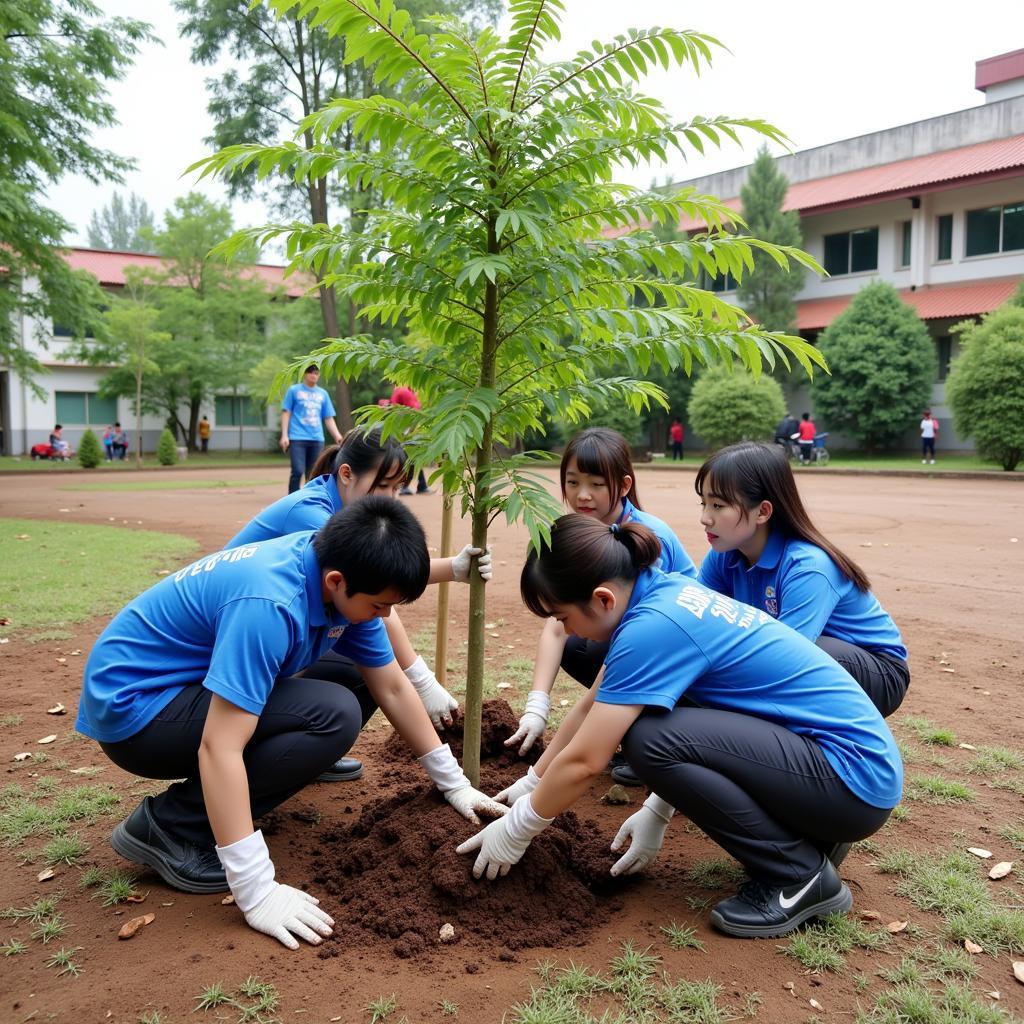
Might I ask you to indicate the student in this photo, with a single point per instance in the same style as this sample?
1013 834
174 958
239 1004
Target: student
362 464
598 481
204 436
59 448
805 432
119 442
929 431
197 679
307 408
108 442
765 551
778 757
676 434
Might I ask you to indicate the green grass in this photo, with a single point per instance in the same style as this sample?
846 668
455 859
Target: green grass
995 761
10 721
95 570
822 946
50 928
933 790
116 888
1013 834
926 732
170 485
66 849
195 461
213 996
13 947
65 960
902 461
36 912
24 815
915 1003
382 1008
680 937
715 873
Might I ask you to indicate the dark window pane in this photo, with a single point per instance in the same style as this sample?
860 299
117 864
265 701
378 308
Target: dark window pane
837 253
70 406
1013 227
983 231
252 415
945 247
944 349
102 411
863 250
224 411
61 330
905 244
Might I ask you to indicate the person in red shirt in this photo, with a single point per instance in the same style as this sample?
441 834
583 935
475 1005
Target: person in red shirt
407 397
675 433
806 432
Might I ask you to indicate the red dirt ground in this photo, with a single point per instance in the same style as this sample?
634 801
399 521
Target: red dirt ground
940 555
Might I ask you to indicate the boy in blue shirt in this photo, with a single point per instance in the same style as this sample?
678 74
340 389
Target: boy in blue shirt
200 679
304 411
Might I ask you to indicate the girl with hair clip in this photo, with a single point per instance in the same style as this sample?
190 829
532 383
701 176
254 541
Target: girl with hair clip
598 481
766 552
363 465
778 756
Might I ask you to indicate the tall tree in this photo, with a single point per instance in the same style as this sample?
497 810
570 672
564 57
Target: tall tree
122 226
56 57
768 292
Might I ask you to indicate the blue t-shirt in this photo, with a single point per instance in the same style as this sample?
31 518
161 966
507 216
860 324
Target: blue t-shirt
800 585
673 555
237 621
308 508
677 637
309 407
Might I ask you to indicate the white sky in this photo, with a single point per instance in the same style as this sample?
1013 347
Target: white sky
818 71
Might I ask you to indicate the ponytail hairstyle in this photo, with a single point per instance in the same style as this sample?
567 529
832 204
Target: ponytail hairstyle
363 451
750 472
583 554
603 452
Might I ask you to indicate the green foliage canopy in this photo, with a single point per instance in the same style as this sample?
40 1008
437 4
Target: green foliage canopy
122 226
729 406
90 451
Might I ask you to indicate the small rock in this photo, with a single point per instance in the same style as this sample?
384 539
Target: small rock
48 739
23 756
972 947
1002 869
45 875
967 746
789 986
446 933
57 709
979 852
616 795
1018 970
815 1005
228 900
994 994
895 927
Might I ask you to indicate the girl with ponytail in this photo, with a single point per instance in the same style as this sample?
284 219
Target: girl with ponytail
750 730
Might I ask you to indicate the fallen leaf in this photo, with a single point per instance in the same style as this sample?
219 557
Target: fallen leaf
48 739
129 928
895 927
1002 869
815 1005
45 875
788 986
504 686
86 770
865 544
616 795
171 904
1018 970
994 994
76 652
333 1019
972 947
490 625
62 661
979 852
23 756
951 671
63 510
228 900
57 709
870 915
967 746
495 634
136 897
21 536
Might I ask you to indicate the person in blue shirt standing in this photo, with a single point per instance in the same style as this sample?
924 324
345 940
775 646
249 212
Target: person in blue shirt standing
777 754
765 551
306 408
200 679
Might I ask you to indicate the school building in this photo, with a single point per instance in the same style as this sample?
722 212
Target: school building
936 208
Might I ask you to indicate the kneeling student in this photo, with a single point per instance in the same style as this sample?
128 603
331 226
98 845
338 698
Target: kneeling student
775 753
196 679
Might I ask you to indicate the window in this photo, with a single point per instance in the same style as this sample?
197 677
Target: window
85 408
851 252
944 231
722 283
62 330
995 229
905 237
944 350
238 411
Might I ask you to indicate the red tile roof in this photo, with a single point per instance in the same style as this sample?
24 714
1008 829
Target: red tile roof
932 302
109 267
996 70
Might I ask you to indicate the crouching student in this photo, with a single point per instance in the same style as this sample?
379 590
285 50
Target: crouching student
778 755
197 679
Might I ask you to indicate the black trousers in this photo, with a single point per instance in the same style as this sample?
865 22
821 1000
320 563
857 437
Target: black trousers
306 725
767 796
303 456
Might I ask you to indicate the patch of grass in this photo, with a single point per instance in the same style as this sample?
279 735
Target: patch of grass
95 569
1013 834
91 877
67 849
116 888
947 963
13 947
38 911
861 983
715 873
21 816
926 732
448 1008
65 960
751 1003
156 1017
50 928
213 996
170 485
680 937
695 1001
995 760
932 789
10 721
822 946
382 1008
901 812
996 929
914 1003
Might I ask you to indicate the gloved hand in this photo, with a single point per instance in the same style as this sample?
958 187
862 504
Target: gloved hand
438 702
534 720
645 831
445 773
504 841
527 784
464 559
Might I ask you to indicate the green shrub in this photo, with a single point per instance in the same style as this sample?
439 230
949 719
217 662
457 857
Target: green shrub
167 449
90 451
729 406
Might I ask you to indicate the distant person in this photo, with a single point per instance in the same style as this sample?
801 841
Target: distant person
204 435
119 442
59 448
305 410
805 437
407 397
785 430
929 431
675 433
108 442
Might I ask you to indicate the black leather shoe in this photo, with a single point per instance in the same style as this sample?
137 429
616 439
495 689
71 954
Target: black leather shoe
621 771
762 911
182 865
837 854
345 769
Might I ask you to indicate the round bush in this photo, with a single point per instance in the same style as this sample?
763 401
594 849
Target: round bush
167 449
90 451
729 406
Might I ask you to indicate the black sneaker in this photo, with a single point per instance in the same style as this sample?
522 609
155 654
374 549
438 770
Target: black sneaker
182 865
762 911
345 769
837 853
624 775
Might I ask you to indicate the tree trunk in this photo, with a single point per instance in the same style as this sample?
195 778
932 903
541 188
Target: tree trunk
443 596
138 409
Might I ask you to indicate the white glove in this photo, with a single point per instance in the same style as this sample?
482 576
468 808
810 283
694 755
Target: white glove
534 720
504 842
527 784
436 699
645 831
445 773
464 559
269 907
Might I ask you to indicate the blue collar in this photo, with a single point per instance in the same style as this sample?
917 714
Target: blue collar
628 512
769 559
641 585
335 495
314 587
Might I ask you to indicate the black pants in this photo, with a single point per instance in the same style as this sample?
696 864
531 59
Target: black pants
806 450
305 726
303 456
582 659
677 450
767 796
927 447
883 678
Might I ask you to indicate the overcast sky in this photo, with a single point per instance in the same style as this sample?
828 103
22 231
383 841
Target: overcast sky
820 72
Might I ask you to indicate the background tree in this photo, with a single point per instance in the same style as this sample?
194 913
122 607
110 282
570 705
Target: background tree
56 58
90 451
985 385
122 226
883 366
496 175
727 406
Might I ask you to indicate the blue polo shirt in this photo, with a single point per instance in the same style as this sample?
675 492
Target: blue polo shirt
237 621
308 508
309 407
673 555
797 583
677 637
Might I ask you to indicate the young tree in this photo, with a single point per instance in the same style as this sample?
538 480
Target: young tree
985 385
882 362
55 60
727 406
496 173
121 226
768 293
